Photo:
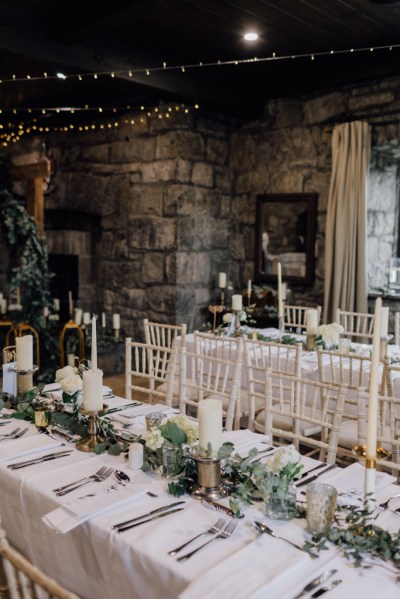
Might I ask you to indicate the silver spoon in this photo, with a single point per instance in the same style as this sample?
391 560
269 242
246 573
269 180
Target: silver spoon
122 476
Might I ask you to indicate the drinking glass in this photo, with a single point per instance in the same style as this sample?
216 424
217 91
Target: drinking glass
321 506
153 420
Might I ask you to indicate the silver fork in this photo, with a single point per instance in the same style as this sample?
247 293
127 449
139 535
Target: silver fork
21 433
217 527
385 504
14 432
224 534
95 478
99 473
17 435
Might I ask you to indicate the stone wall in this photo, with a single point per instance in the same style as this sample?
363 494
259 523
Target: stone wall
177 196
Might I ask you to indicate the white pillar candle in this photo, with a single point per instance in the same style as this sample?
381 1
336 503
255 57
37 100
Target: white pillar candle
384 321
78 316
86 318
237 302
24 350
4 306
372 427
103 320
312 321
222 280
280 292
210 425
56 304
135 458
116 322
71 360
249 288
70 303
93 390
45 311
93 358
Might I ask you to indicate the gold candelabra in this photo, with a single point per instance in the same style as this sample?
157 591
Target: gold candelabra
214 311
94 437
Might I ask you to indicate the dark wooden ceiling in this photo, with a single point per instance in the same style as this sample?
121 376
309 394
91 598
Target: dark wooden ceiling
38 36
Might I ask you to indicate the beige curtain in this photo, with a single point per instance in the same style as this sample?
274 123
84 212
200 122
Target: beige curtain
345 243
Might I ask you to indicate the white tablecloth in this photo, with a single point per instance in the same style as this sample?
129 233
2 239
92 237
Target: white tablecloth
97 563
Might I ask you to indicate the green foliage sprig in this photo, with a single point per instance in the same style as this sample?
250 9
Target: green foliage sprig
359 538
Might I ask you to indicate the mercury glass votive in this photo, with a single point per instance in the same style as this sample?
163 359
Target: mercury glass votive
321 507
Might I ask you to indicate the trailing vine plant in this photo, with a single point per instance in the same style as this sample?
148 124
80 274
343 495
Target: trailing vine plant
28 268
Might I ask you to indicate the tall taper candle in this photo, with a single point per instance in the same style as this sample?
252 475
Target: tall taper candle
93 358
70 303
210 425
24 350
280 292
249 288
372 422
222 280
103 320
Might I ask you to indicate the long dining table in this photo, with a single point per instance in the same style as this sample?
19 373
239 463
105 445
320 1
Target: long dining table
71 537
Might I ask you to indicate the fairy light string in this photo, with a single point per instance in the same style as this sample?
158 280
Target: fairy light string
131 71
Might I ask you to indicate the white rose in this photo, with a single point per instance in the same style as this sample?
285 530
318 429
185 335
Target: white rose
227 317
71 384
64 372
154 439
282 457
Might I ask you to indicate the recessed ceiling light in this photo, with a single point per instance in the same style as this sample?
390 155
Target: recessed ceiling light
61 76
250 36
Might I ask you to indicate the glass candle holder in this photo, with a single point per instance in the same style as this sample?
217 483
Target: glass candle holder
321 506
42 416
281 498
171 459
153 420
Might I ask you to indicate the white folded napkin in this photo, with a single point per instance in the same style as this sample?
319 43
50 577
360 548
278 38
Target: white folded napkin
73 514
129 415
18 448
351 480
244 440
261 563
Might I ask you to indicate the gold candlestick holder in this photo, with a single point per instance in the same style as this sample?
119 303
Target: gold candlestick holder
214 311
310 342
237 322
209 484
25 380
93 437
361 452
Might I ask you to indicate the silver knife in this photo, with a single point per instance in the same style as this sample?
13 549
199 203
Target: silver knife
312 478
157 511
124 407
325 588
213 505
179 509
315 582
312 470
43 458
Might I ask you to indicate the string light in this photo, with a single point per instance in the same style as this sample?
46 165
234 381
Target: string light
183 67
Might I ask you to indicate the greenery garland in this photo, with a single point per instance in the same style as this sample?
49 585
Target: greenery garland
28 269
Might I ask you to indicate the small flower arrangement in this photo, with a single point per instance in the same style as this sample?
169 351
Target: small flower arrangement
328 335
177 431
70 379
285 463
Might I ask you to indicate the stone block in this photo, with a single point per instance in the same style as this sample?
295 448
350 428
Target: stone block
162 170
206 202
226 201
170 269
178 199
152 233
192 267
97 153
217 150
162 299
180 144
132 149
243 209
184 170
243 151
151 199
288 114
153 267
324 108
286 181
203 174
257 180
223 179
370 100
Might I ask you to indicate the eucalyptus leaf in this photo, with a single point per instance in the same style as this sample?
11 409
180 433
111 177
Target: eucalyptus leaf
173 433
114 449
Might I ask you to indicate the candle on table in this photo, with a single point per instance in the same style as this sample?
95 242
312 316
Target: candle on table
237 303
24 351
116 322
280 292
4 306
70 303
93 359
384 321
135 457
86 318
312 321
210 425
222 280
93 390
103 320
78 316
249 288
56 304
372 420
